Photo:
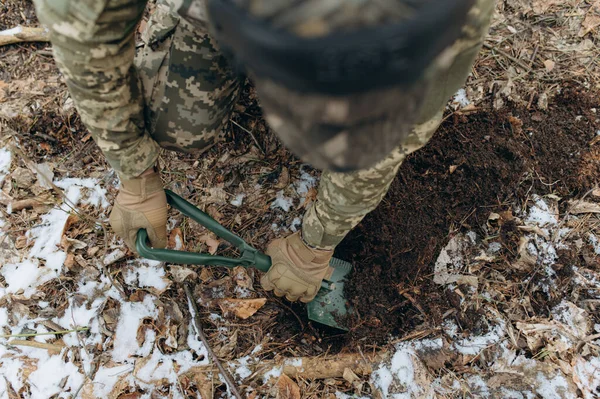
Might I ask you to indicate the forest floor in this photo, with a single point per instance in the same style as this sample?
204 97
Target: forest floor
478 276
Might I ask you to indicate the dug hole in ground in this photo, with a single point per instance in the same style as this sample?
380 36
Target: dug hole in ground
477 277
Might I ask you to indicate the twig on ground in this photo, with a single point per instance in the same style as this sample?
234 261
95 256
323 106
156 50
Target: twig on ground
21 34
46 333
27 203
194 311
250 133
292 311
35 344
521 63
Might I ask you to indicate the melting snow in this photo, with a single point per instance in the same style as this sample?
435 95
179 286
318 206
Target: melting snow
106 378
295 224
275 372
401 374
594 242
132 313
147 273
475 344
237 201
46 380
588 375
5 161
541 214
243 371
304 184
26 276
96 195
461 98
282 202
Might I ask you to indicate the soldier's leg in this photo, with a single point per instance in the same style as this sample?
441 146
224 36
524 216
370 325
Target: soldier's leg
344 199
188 86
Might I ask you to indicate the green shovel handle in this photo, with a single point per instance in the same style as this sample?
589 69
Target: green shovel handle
250 256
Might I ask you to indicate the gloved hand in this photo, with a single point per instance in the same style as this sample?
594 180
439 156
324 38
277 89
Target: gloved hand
297 269
141 203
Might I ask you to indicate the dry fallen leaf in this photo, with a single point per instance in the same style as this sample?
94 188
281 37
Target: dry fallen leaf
592 19
577 207
22 177
549 64
525 261
179 273
349 375
3 90
206 275
211 243
21 242
216 195
311 196
284 179
70 261
241 277
287 388
541 6
226 350
45 174
452 168
71 221
176 239
242 308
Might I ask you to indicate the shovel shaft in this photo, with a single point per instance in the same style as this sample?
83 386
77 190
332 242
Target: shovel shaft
250 256
326 308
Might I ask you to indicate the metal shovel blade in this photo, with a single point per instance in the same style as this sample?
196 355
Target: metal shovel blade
329 306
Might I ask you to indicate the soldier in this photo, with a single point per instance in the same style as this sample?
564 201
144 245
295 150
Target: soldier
351 87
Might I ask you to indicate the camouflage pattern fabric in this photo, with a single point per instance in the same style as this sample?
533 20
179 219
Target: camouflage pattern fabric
180 92
191 90
94 46
344 199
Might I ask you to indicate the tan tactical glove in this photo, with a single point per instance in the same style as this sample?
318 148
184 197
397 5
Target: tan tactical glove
297 269
141 204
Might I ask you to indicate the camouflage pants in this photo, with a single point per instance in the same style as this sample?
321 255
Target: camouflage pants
190 92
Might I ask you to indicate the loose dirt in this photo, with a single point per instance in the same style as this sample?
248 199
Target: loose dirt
473 166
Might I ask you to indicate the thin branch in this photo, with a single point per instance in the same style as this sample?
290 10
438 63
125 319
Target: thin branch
35 344
250 133
45 333
21 34
194 311
521 63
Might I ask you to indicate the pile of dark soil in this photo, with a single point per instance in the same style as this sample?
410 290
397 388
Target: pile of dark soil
473 166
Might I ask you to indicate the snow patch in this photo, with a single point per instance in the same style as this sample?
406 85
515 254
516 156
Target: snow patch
461 98
96 195
106 378
282 202
132 314
46 380
243 371
540 213
296 223
25 276
237 201
475 344
5 162
275 372
147 274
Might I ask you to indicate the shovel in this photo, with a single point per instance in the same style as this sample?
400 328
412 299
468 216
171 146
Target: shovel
328 307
